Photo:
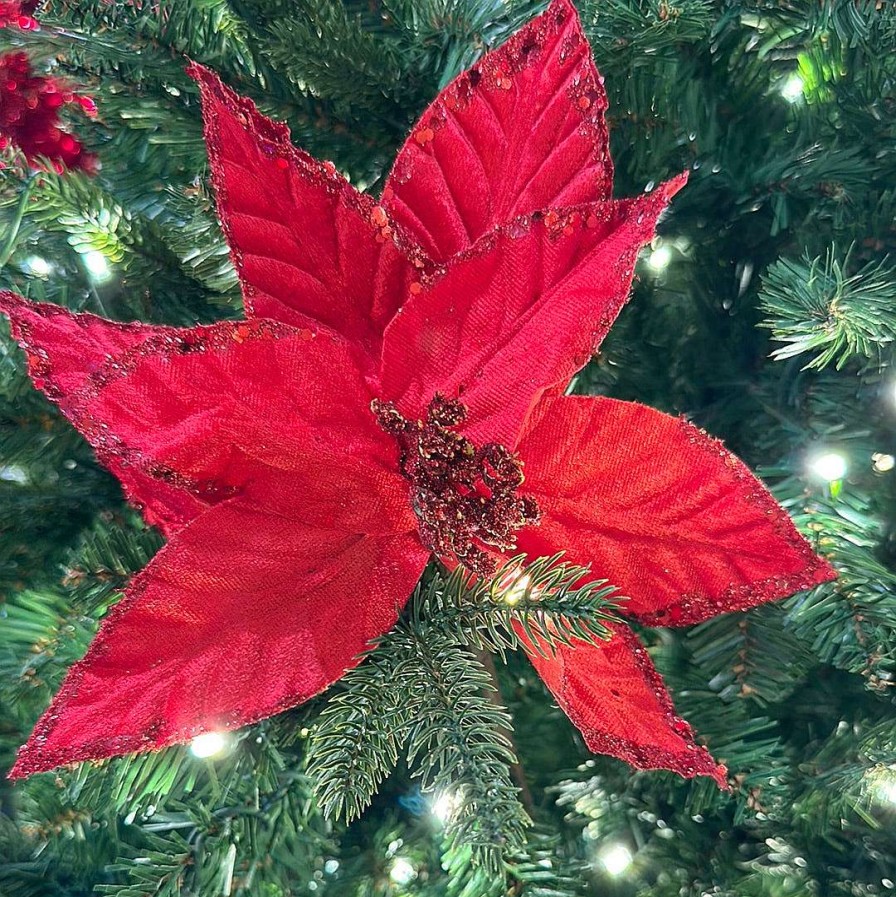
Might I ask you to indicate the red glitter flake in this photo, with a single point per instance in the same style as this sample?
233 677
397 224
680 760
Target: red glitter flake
424 136
465 498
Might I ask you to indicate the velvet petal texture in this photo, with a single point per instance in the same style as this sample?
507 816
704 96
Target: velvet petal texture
616 699
244 612
518 313
680 526
247 611
303 240
662 510
521 130
64 352
186 417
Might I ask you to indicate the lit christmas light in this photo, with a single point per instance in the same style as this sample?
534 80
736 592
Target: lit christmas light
401 871
792 88
209 744
659 259
37 266
444 806
516 590
885 787
615 858
882 462
829 466
13 473
97 266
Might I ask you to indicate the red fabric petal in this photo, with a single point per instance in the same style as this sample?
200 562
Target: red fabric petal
308 247
519 313
616 699
246 612
185 417
64 351
661 510
522 130
212 407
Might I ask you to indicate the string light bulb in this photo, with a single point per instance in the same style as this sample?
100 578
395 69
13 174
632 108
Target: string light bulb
879 786
443 806
884 786
209 745
97 266
401 871
792 88
615 858
882 462
36 266
829 466
516 590
659 259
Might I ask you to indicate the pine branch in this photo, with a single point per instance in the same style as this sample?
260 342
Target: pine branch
546 599
456 747
356 738
848 623
750 655
815 306
161 869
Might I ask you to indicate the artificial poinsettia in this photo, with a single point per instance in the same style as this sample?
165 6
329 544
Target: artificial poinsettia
400 369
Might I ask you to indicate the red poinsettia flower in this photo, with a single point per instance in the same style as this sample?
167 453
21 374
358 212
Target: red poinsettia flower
401 365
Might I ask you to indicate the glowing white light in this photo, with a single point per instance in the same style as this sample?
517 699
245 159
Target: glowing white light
830 466
37 266
882 462
97 266
659 259
615 858
14 474
885 788
792 88
443 806
401 871
517 590
209 744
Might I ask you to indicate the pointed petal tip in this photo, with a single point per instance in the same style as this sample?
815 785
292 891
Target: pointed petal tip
673 185
692 761
30 761
10 302
206 78
719 775
23 312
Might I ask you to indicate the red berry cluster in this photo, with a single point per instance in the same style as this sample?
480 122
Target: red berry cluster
29 115
18 14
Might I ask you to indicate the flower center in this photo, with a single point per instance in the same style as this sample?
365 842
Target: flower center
465 497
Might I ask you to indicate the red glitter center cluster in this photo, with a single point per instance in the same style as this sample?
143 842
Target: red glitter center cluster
465 498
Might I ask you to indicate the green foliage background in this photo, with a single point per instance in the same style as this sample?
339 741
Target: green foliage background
772 325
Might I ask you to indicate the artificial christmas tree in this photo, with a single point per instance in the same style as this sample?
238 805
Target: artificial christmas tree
784 695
